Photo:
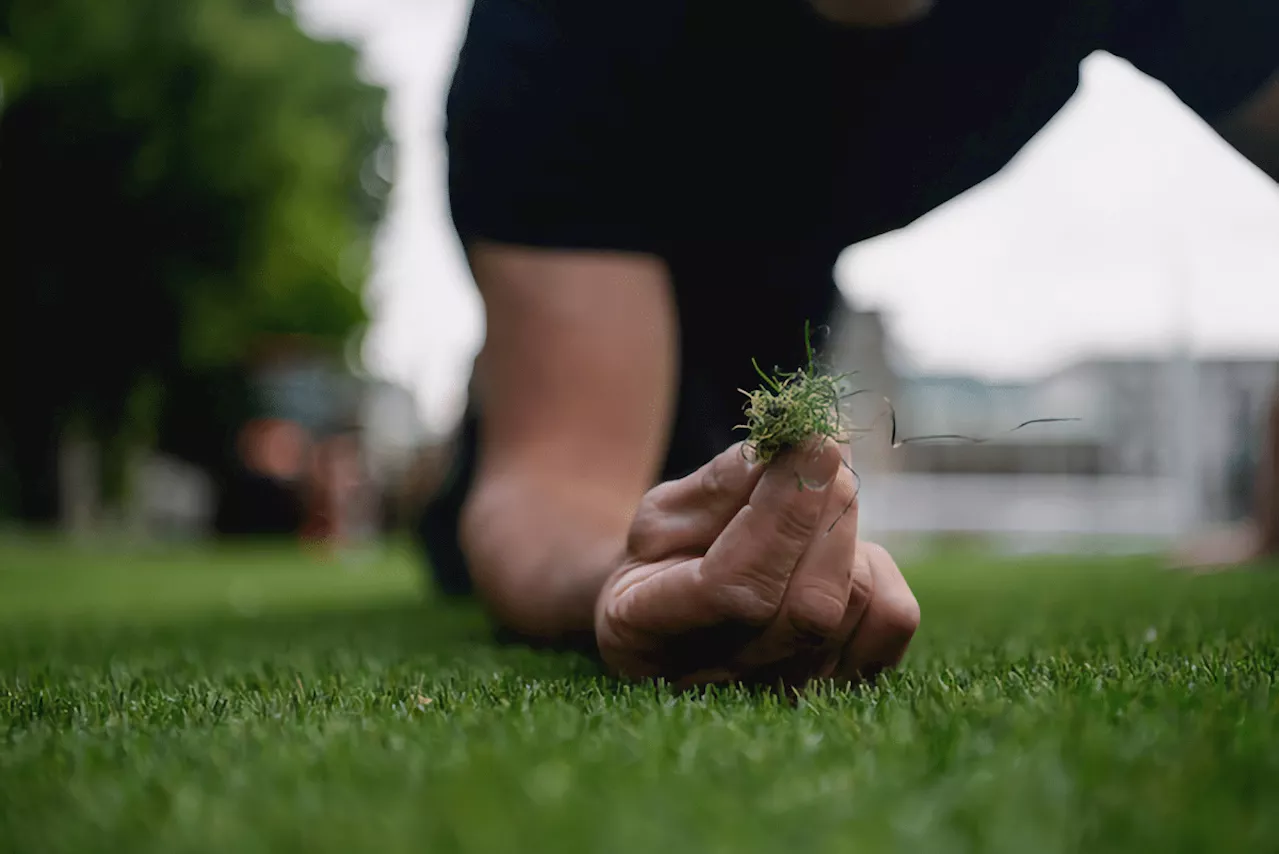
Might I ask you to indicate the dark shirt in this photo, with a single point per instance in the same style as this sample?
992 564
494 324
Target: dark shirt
748 143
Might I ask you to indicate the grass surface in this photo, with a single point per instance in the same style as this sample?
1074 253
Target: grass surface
261 700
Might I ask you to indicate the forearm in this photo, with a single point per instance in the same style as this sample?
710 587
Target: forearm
576 383
540 555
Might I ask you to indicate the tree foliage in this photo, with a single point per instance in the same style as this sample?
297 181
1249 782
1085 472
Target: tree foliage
177 178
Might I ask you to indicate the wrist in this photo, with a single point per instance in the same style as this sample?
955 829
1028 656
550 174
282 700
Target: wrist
538 578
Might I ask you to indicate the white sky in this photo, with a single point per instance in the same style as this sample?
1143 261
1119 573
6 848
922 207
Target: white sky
1123 225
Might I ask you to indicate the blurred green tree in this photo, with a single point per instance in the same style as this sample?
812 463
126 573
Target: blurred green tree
177 179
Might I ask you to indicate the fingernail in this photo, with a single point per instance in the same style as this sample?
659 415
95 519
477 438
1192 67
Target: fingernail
817 466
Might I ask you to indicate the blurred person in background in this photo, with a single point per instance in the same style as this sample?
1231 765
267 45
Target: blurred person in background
300 468
262 494
649 195
338 494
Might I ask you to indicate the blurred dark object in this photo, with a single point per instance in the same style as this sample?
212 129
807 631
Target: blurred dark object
1242 468
422 480
177 178
299 467
262 493
437 528
255 504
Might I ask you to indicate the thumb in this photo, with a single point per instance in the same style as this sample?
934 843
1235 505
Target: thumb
686 515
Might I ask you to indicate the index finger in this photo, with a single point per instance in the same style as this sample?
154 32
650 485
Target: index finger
747 569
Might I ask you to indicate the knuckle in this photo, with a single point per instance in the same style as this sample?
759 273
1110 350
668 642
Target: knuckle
862 585
750 599
816 614
658 499
845 489
648 525
898 607
795 521
712 482
874 553
645 530
619 623
901 617
612 621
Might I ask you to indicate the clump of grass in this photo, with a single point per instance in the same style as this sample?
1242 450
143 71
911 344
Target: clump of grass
792 408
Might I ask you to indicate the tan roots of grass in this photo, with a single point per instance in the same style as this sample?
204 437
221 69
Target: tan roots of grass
792 409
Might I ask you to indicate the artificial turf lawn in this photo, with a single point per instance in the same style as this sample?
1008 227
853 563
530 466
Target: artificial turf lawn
256 699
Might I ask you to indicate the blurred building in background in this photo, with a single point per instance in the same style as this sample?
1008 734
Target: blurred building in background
1129 405
1154 449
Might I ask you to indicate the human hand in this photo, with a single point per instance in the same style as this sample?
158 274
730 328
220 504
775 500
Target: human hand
755 573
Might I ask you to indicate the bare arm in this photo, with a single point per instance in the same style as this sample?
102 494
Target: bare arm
1251 128
576 385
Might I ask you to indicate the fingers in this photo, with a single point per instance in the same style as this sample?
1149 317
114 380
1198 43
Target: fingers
828 591
664 588
642 608
747 569
685 516
762 557
888 624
